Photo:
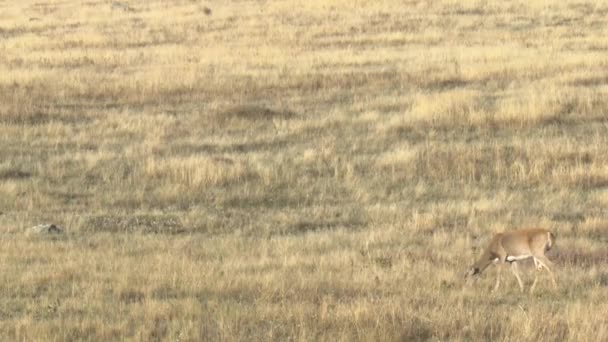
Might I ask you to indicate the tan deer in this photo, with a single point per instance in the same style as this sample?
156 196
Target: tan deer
514 246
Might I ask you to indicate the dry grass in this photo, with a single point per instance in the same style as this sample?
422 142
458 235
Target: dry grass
323 171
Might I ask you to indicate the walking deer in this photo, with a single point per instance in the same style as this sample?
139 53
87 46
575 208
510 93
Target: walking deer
514 246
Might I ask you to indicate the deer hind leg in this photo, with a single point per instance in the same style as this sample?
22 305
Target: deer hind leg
515 270
541 263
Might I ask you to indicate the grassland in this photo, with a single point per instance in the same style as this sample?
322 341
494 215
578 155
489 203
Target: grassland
318 171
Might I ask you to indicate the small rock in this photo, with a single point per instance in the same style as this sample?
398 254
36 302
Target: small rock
47 229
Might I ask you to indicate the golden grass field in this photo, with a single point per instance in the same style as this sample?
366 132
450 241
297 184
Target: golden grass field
286 171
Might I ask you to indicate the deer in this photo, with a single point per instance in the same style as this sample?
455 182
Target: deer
512 247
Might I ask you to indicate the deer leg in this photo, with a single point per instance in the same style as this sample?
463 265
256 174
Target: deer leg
545 263
534 283
515 270
538 267
498 271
